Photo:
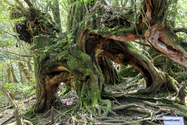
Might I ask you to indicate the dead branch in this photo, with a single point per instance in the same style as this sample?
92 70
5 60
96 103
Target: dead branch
16 9
21 5
180 30
18 54
24 101
95 8
123 107
7 107
16 111
29 3
28 122
140 109
141 43
47 6
133 107
8 3
151 123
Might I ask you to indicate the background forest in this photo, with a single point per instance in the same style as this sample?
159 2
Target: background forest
18 73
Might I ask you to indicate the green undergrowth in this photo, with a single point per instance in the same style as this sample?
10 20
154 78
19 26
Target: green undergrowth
17 91
34 118
128 71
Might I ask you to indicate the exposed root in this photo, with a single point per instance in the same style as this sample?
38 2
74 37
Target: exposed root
177 106
133 107
179 89
170 84
108 107
150 123
99 113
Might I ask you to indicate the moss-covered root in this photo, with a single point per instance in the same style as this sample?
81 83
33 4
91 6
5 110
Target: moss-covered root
172 84
150 89
169 82
133 107
108 108
102 105
98 104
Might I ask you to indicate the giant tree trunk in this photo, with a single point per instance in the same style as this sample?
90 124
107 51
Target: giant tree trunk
93 30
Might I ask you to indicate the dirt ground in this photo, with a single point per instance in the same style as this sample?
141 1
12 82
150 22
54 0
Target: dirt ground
141 107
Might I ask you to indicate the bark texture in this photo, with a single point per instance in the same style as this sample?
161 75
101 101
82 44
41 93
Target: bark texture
95 30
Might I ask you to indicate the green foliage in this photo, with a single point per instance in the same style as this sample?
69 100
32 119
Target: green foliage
19 90
182 77
128 71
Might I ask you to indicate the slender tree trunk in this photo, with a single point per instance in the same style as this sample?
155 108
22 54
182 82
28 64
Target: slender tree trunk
13 75
25 71
56 14
8 71
20 72
29 65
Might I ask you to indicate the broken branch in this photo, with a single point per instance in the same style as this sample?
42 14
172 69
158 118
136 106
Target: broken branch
180 30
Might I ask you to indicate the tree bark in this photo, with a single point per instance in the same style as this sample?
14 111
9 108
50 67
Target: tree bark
74 59
25 71
13 75
110 73
20 72
8 71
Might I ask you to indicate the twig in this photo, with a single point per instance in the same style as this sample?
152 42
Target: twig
52 115
95 8
148 55
8 3
18 54
180 30
21 5
28 122
141 43
29 3
47 6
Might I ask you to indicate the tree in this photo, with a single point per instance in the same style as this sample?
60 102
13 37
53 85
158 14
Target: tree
96 33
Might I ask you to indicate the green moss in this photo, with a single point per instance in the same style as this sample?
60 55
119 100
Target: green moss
173 38
42 77
93 22
116 30
182 77
128 71
143 28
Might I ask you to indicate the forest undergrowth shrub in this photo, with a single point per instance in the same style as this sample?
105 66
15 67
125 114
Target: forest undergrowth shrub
17 91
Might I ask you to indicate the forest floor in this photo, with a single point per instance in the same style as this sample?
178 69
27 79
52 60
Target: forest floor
140 109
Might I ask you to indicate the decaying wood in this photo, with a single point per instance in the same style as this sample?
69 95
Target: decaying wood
156 36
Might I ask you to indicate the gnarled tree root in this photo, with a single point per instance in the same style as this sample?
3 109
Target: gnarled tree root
170 84
133 107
